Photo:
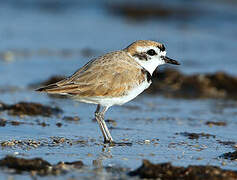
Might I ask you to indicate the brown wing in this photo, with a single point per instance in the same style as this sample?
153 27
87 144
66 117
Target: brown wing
110 75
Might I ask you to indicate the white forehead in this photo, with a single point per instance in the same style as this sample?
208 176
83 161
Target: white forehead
146 48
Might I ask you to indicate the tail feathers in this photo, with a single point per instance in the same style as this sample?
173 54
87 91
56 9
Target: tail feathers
47 88
55 89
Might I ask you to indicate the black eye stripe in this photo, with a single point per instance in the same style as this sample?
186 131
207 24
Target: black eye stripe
141 56
151 52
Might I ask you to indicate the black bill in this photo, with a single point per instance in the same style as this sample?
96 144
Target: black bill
170 61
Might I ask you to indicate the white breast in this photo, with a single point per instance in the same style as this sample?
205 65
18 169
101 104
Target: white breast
106 101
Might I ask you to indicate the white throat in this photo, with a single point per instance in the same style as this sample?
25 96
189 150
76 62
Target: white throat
151 64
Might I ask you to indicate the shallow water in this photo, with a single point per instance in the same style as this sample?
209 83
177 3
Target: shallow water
154 126
37 43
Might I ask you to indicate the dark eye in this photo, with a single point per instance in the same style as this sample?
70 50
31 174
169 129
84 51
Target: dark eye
151 52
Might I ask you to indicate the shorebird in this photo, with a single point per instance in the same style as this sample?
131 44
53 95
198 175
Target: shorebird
114 78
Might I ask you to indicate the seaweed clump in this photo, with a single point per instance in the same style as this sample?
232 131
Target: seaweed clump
166 171
38 166
172 83
30 109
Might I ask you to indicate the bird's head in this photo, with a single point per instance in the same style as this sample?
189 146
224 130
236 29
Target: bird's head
149 54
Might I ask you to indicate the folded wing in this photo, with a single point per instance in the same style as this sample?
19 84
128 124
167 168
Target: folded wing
105 76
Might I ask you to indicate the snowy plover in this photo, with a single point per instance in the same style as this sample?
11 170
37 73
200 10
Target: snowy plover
114 78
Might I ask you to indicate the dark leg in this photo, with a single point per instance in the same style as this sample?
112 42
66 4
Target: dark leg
105 131
110 139
97 117
100 119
